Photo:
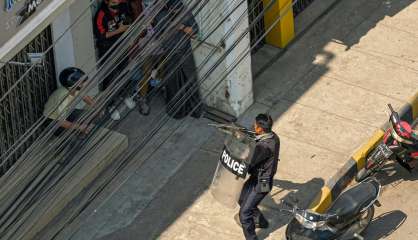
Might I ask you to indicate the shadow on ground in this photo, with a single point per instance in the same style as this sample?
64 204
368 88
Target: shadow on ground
297 193
384 225
393 174
173 199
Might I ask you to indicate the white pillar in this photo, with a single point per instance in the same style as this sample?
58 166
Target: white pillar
83 36
64 47
235 94
239 82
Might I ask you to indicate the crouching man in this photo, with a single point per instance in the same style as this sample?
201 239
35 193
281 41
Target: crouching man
59 101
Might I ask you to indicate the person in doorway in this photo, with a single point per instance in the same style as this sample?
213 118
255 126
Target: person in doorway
262 169
182 93
111 21
139 83
59 101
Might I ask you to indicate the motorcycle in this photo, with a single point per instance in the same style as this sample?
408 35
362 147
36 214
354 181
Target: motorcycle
347 218
400 143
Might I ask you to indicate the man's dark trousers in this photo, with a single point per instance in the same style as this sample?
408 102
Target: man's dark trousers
249 201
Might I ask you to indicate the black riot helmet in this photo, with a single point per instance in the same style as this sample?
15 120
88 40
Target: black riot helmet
69 76
265 122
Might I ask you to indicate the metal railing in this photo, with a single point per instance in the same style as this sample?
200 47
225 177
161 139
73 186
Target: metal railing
258 29
256 7
300 6
23 106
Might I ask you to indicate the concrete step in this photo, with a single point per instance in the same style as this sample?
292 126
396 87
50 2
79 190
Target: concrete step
104 147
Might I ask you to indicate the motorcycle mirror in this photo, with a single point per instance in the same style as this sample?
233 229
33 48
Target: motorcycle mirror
389 111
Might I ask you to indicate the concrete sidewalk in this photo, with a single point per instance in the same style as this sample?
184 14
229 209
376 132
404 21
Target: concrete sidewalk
327 94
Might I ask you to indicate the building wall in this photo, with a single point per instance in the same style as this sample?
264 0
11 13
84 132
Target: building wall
11 19
19 36
76 48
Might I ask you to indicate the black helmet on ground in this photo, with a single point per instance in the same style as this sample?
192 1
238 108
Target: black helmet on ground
69 76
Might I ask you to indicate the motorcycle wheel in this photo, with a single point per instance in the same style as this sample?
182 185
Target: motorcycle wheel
365 219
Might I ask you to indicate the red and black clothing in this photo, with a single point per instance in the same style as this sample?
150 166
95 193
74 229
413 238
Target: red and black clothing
108 21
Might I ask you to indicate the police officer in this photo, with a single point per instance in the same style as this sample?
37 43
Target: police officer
262 169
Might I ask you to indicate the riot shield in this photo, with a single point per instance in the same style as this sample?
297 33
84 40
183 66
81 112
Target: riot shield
233 165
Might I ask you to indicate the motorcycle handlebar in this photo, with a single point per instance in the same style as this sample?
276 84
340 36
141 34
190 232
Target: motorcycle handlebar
394 116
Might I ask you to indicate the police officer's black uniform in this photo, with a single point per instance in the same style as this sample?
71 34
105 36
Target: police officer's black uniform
262 169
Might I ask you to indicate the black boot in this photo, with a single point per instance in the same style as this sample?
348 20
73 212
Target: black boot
261 221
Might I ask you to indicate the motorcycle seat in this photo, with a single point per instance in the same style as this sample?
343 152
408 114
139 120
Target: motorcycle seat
352 201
